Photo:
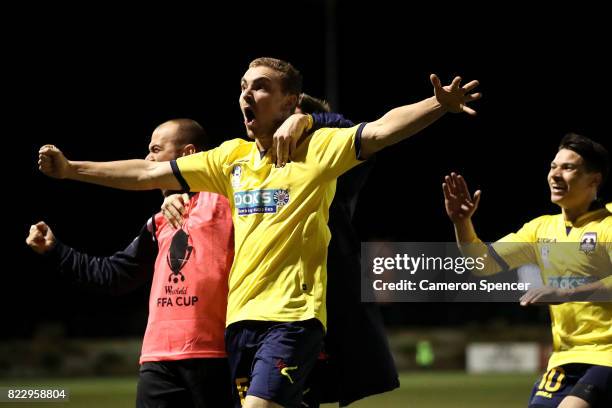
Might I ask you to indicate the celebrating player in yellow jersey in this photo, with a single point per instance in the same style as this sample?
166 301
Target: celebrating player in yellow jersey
277 286
574 252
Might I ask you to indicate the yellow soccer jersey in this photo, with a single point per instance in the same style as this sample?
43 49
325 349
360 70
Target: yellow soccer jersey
280 220
570 254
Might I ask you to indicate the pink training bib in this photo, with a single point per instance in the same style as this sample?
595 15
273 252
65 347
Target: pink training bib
188 301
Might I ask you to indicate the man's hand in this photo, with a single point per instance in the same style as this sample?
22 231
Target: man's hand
52 163
286 137
454 97
459 204
174 207
545 295
41 238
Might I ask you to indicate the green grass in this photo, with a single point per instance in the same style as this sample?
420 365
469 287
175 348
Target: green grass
84 393
455 389
419 390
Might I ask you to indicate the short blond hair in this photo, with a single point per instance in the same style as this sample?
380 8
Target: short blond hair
291 79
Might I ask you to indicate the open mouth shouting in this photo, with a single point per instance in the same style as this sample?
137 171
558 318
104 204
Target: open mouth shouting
249 116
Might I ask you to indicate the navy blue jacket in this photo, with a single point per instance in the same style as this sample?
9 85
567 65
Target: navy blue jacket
117 274
359 362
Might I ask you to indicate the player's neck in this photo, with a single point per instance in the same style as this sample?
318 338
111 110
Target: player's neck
263 142
572 214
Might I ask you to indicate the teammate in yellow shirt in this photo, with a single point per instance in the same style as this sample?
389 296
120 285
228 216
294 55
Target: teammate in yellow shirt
574 252
277 287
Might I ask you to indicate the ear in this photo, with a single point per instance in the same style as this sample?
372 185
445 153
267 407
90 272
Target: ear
597 179
188 149
290 103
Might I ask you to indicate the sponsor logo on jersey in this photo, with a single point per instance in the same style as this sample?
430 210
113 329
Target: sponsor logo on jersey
260 201
569 282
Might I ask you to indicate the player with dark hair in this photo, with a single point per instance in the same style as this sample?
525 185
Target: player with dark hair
574 252
345 372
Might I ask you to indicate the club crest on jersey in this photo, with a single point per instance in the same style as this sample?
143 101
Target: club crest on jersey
260 201
281 197
588 242
236 176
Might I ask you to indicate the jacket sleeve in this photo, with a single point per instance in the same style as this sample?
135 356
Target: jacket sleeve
329 120
117 274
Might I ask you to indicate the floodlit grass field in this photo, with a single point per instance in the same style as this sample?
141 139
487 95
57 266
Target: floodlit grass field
419 390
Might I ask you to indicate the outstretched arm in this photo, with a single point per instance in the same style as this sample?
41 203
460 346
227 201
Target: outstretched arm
116 274
403 122
460 207
125 174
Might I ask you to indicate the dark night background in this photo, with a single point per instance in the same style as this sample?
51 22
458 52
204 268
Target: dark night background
97 82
